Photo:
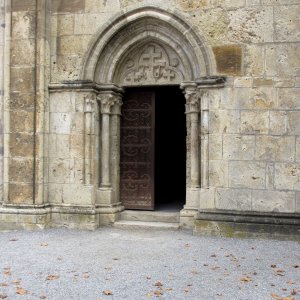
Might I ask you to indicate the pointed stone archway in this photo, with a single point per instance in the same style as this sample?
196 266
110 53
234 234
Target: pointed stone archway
149 46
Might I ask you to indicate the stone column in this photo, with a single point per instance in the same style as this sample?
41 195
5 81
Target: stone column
107 100
193 108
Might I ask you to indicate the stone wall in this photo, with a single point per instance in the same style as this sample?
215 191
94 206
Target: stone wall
2 37
51 140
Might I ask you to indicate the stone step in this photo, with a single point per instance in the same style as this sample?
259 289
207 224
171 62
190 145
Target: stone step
150 216
146 225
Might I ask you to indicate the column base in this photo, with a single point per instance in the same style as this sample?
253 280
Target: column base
108 214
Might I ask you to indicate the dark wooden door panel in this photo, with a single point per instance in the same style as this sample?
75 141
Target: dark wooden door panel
137 150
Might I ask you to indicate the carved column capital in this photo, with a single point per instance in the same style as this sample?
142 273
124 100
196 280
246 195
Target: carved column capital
89 101
106 100
192 96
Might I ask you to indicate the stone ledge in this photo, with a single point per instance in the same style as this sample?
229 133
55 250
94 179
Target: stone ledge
282 226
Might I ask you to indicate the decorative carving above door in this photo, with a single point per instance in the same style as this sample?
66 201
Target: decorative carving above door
151 64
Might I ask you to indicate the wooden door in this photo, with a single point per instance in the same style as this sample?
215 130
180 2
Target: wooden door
137 149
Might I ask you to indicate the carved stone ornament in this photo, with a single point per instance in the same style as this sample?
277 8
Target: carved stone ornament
192 101
151 65
108 101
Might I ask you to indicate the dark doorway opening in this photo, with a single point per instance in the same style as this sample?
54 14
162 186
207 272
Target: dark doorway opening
170 148
153 149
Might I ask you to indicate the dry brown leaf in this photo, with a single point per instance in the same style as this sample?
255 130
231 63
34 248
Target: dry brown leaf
158 283
148 277
294 292
3 284
195 272
246 279
187 245
291 282
169 289
186 290
7 273
21 291
43 297
295 266
13 240
213 255
44 245
108 292
288 298
86 276
3 296
273 266
275 296
52 277
158 293
16 281
115 258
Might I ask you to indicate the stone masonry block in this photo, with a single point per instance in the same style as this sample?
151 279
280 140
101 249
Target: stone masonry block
255 122
298 149
229 59
23 5
252 25
238 147
21 170
283 59
293 124
21 144
75 44
218 173
65 24
20 193
287 176
273 201
253 60
278 122
224 121
233 199
21 121
20 101
252 98
287 25
67 6
298 202
275 148
288 98
62 102
23 25
247 174
60 123
59 170
22 79
23 52
215 146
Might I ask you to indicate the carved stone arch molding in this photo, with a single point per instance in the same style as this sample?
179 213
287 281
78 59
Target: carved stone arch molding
149 46
128 32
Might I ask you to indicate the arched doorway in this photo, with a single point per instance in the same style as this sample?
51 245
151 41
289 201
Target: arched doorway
147 47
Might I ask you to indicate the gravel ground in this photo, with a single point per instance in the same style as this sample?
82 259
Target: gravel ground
73 264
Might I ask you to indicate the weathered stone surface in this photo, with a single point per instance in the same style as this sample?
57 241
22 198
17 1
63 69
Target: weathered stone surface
76 44
274 148
255 122
288 98
21 144
23 52
224 121
20 193
253 60
237 147
273 201
229 59
298 149
278 122
251 25
60 123
21 170
65 24
298 202
257 82
286 20
247 174
84 24
68 6
282 59
215 146
59 170
287 176
218 173
21 5
233 199
293 124
22 79
23 25
22 121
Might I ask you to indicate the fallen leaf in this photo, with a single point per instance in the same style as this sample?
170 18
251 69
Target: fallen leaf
3 296
7 273
187 245
158 283
213 255
21 291
186 290
115 258
86 276
147 277
44 245
294 292
158 293
215 268
43 297
59 258
52 277
3 284
169 289
108 292
275 296
13 240
295 266
16 281
273 266
246 279
291 282
195 272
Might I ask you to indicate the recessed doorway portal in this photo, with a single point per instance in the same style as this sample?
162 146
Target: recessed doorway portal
153 149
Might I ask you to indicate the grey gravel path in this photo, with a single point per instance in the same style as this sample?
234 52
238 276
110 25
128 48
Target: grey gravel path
73 264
